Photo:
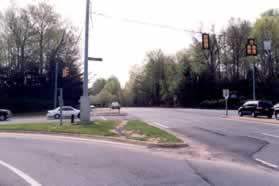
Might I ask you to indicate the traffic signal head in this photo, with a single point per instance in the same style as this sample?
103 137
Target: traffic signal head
251 48
205 41
66 71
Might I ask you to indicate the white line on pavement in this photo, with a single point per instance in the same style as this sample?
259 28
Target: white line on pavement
270 135
159 124
267 163
70 139
21 174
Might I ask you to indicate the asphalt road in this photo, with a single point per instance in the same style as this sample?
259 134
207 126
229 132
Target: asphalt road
50 160
241 139
232 145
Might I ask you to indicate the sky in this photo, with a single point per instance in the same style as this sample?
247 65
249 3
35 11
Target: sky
122 44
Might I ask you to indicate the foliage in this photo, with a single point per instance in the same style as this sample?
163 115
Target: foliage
195 77
32 40
107 91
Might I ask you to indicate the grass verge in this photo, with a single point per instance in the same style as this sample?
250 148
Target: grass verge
149 133
101 128
135 130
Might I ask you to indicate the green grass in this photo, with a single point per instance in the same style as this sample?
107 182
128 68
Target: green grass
148 131
101 128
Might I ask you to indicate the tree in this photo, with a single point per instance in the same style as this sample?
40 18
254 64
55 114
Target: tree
33 40
98 86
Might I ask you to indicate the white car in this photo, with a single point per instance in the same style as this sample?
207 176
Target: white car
67 112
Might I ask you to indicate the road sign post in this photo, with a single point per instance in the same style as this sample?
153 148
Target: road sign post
61 105
226 95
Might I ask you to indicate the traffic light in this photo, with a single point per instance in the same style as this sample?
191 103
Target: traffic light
251 47
66 72
205 41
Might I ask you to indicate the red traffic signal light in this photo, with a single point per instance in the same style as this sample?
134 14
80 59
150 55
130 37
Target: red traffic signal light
66 71
205 41
251 48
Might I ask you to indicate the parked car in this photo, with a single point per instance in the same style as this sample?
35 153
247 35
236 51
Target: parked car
276 110
256 108
115 105
5 114
67 112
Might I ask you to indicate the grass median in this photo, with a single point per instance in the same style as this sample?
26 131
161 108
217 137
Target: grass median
133 130
101 128
140 130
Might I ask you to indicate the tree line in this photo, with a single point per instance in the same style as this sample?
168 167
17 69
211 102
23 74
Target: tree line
195 78
33 39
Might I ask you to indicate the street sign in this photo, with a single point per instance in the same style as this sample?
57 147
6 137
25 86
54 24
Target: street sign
267 45
226 93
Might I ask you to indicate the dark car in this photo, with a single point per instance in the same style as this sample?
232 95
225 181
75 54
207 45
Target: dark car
5 114
256 108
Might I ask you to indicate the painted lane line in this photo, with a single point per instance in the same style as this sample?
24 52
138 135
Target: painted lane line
267 163
103 118
160 125
68 139
270 135
21 174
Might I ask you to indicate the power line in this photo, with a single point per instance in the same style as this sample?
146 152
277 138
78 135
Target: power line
147 23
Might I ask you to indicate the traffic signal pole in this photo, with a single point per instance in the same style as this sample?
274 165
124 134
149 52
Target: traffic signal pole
55 85
84 101
254 82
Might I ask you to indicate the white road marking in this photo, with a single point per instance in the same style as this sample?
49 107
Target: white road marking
103 118
267 163
159 124
71 139
270 135
21 174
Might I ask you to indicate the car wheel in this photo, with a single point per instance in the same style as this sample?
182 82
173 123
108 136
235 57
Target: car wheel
57 116
3 117
254 114
240 113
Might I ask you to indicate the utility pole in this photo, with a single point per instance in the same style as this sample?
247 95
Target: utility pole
61 106
84 101
55 85
254 82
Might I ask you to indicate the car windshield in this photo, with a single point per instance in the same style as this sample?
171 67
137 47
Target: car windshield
265 104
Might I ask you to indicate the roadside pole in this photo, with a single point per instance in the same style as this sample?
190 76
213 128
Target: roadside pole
55 85
84 100
251 50
61 105
226 95
254 82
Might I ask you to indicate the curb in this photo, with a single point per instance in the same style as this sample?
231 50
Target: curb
174 145
111 139
255 120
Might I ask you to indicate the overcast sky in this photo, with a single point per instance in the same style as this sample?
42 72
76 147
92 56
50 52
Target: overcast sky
122 44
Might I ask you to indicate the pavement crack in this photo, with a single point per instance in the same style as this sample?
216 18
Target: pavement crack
210 131
261 147
198 173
